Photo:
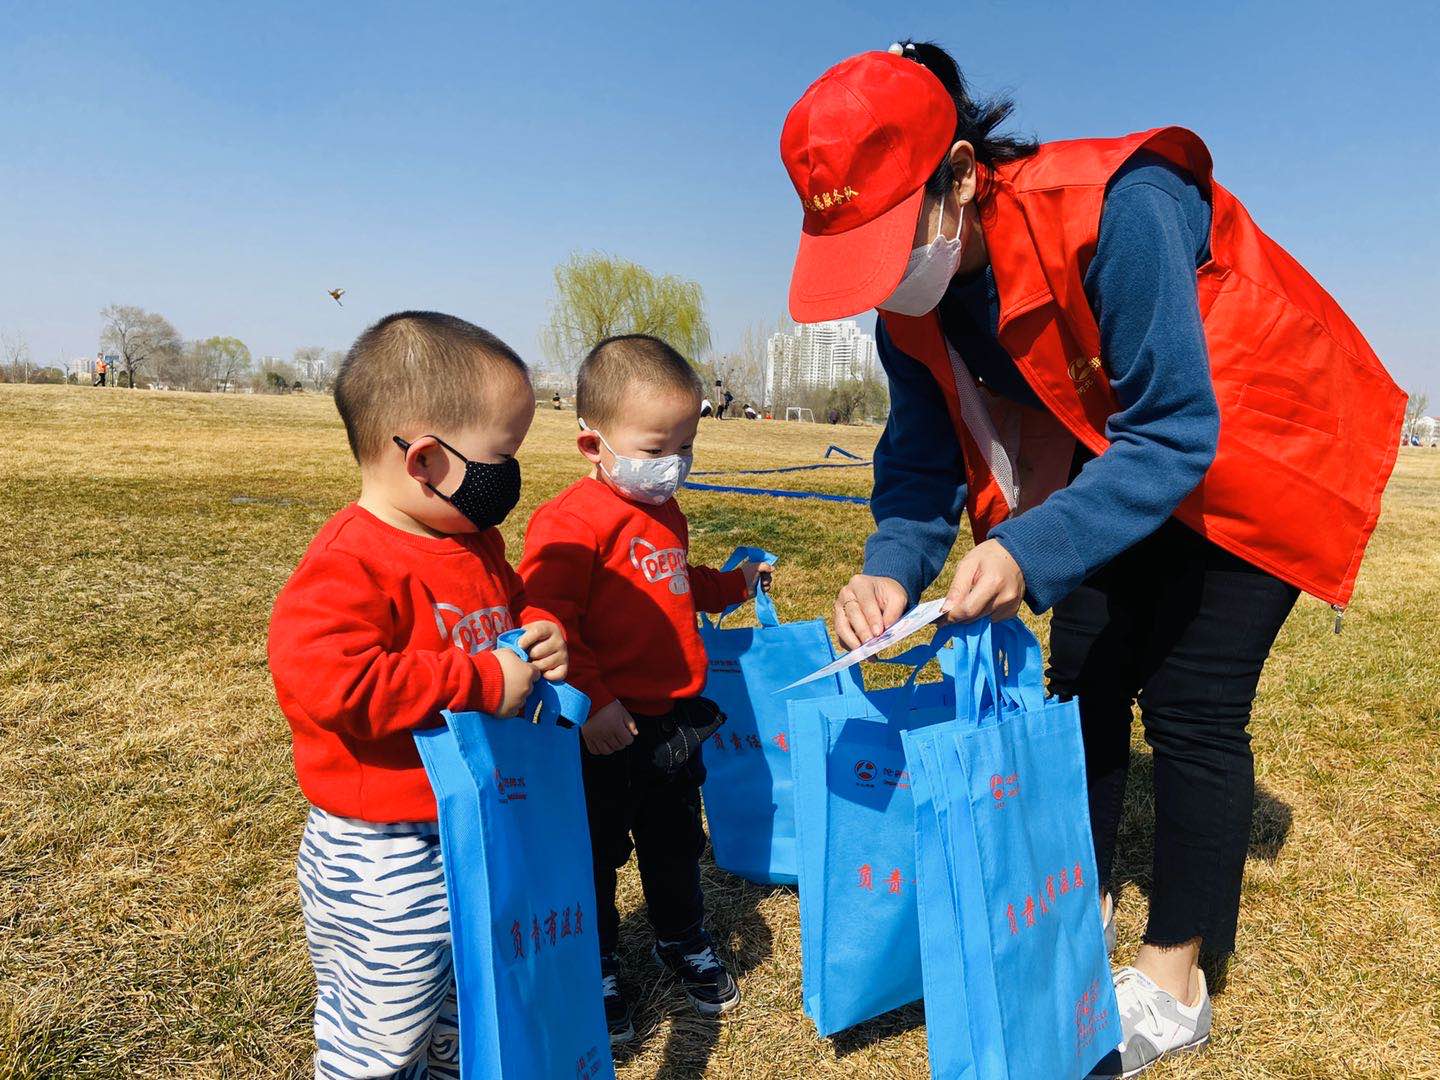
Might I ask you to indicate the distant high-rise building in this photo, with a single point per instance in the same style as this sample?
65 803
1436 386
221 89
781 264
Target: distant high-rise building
816 355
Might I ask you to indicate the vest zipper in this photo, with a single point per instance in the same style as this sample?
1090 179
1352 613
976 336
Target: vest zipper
1339 610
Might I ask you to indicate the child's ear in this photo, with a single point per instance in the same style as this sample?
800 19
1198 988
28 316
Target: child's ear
589 445
425 461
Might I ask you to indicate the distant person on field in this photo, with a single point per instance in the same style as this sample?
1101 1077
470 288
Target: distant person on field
102 369
750 413
610 556
706 409
390 617
555 401
724 404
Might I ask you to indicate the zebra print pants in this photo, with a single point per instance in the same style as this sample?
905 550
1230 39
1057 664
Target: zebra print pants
378 926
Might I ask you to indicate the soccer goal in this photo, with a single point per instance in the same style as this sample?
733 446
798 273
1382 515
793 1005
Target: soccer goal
794 413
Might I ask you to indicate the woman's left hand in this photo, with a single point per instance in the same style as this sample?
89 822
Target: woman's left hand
988 581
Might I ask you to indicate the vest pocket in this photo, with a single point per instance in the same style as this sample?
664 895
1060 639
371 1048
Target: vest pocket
1287 408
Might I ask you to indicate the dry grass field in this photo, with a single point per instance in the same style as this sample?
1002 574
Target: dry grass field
149 923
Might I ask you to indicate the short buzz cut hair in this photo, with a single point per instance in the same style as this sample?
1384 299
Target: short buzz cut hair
421 369
614 367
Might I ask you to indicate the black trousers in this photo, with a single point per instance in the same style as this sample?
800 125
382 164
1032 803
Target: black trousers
1183 627
632 805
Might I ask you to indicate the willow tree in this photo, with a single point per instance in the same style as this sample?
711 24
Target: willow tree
597 295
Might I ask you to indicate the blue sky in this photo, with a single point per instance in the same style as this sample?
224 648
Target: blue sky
226 164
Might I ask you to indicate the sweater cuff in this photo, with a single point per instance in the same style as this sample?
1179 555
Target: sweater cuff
732 588
889 558
597 693
492 682
1040 544
531 614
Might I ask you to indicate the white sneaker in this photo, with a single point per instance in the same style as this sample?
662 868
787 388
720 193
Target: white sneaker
1154 1024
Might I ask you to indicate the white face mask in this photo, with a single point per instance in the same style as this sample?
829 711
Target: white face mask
929 272
646 480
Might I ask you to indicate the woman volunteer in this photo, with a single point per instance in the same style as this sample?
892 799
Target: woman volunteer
1160 426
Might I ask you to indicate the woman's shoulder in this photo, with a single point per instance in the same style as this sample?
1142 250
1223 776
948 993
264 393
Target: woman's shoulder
1149 169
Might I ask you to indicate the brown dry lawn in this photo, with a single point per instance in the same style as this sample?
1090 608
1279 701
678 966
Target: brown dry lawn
149 924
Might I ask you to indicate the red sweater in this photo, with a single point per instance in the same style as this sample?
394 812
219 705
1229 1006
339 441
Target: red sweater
376 632
617 575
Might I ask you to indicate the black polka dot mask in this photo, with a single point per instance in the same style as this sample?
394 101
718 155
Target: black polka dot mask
488 491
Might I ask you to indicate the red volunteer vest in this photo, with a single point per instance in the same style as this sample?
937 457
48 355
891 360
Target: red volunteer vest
1309 418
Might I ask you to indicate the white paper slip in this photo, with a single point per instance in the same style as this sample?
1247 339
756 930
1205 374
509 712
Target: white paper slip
917 618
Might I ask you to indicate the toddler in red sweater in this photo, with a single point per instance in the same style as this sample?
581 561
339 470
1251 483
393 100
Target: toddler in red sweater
609 557
390 617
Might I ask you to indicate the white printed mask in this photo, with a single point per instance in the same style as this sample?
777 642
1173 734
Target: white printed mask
645 480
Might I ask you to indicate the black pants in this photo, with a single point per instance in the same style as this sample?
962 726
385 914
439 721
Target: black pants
1184 627
627 796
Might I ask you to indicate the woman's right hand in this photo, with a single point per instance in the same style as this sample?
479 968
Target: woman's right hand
866 606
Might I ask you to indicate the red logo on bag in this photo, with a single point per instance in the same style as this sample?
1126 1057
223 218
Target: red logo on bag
1088 1022
509 788
587 1065
1004 787
865 770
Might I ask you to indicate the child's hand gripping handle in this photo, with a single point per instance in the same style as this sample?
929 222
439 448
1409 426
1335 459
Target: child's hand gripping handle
765 613
548 702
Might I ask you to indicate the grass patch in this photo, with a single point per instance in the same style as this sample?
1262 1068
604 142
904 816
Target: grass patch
147 903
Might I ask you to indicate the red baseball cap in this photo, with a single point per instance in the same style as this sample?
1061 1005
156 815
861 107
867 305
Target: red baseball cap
859 146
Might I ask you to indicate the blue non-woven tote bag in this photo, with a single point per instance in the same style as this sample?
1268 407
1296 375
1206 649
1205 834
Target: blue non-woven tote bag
855 827
1017 981
749 801
516 851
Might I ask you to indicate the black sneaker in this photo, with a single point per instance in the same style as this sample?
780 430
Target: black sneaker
703 978
617 1009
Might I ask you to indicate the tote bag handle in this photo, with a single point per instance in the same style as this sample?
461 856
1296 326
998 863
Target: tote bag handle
1000 665
549 702
971 680
765 612
1002 660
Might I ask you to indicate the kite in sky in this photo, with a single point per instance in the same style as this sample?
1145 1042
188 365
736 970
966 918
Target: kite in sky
335 295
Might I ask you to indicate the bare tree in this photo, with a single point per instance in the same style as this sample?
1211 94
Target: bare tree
599 295
317 366
274 376
1414 410
743 371
15 351
138 337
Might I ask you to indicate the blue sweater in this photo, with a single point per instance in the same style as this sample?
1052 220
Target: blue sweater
1154 233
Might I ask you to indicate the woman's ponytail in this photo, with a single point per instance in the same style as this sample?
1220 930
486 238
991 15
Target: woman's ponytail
976 122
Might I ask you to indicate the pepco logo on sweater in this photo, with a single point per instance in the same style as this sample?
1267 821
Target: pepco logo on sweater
661 564
473 632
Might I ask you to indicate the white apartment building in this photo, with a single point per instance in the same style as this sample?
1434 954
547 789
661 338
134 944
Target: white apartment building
817 355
